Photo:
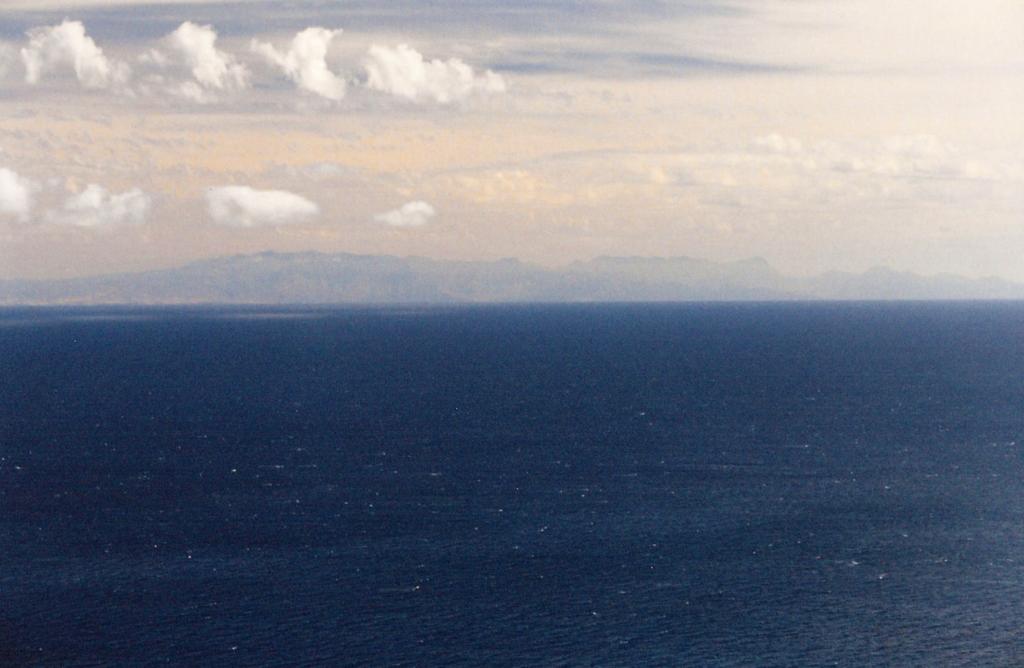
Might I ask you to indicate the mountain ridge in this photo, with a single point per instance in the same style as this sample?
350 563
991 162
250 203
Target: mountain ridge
312 277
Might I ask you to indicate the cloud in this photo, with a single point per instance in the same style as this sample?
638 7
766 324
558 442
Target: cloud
505 186
51 48
903 157
96 208
776 143
783 174
878 35
212 68
242 206
8 55
15 195
317 171
192 91
154 57
305 63
410 214
781 160
403 72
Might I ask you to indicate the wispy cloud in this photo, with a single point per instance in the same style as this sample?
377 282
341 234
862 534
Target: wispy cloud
142 18
634 36
8 57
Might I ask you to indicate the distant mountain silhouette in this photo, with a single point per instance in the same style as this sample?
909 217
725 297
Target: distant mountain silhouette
342 278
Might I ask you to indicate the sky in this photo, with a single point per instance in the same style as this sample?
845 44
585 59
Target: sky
818 134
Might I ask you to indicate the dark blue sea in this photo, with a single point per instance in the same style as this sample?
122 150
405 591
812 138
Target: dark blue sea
665 485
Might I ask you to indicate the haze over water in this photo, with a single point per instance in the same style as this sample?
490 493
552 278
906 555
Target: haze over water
757 484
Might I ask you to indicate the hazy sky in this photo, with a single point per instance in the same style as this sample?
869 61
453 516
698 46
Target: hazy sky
818 134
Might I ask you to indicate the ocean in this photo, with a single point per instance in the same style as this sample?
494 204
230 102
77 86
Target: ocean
613 485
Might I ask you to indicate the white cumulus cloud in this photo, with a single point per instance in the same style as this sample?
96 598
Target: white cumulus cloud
96 208
242 206
211 67
15 194
51 48
305 62
402 71
410 214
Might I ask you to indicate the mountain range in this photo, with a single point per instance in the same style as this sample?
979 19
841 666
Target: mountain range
342 278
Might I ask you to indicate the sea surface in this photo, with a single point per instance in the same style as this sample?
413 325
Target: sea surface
664 485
